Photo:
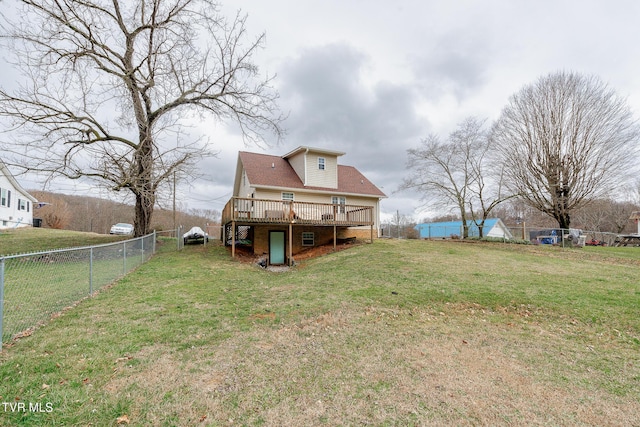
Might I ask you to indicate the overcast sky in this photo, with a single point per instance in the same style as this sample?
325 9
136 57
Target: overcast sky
373 78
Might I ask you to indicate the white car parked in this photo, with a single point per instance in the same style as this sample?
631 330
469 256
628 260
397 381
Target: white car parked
121 228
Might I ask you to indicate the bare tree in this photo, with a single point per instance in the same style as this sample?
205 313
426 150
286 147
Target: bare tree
56 213
454 173
563 141
110 84
606 215
400 226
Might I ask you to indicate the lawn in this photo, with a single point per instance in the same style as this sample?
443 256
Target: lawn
24 240
390 333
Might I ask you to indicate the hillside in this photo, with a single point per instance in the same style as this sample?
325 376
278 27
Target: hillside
93 214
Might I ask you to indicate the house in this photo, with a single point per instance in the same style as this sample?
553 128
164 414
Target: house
16 205
282 205
493 227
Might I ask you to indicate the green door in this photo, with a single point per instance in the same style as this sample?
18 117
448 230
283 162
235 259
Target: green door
276 247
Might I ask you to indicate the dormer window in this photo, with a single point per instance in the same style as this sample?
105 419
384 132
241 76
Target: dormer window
321 163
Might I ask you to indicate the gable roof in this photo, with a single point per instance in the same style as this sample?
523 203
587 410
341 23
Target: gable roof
5 171
304 148
270 171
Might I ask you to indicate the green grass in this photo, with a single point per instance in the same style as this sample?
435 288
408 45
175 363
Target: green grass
394 333
24 240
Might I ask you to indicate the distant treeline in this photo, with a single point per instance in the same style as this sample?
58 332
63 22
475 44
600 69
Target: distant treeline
92 214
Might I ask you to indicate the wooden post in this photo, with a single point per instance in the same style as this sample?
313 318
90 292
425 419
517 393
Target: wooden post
233 239
335 237
290 244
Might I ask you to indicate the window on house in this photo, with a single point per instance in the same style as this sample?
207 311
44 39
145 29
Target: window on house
308 238
340 201
24 205
321 163
287 196
5 197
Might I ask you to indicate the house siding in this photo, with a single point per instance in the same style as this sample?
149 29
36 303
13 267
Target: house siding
297 163
327 178
11 216
244 189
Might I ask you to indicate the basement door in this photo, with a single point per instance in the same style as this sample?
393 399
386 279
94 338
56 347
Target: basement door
276 247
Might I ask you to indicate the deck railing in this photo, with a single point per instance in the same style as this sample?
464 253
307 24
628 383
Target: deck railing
247 210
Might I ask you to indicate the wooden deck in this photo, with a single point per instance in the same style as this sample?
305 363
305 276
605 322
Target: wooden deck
248 211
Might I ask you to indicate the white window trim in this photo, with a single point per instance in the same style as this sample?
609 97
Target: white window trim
341 201
322 163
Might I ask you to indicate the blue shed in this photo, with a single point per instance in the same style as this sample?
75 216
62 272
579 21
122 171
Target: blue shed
493 227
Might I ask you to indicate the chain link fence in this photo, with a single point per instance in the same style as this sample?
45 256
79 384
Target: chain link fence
563 237
35 286
167 237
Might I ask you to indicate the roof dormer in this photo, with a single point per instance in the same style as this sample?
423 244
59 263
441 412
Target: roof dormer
315 167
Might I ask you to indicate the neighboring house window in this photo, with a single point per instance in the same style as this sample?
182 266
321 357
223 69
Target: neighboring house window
287 196
341 201
321 163
5 197
24 205
307 238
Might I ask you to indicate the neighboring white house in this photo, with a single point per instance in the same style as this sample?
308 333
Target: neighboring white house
16 205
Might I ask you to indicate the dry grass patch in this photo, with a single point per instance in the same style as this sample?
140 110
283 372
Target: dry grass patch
376 367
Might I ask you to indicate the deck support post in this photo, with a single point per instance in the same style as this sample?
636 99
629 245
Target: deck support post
372 232
233 239
335 237
290 244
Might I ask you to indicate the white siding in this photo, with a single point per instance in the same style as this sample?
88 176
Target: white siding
10 216
244 188
297 163
327 178
498 230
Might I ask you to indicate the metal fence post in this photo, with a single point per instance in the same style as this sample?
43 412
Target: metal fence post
142 251
91 272
1 298
154 242
124 257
